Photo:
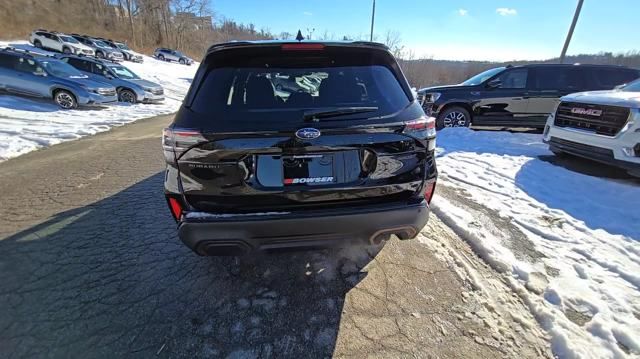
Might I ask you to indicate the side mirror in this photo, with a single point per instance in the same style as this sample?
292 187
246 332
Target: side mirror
40 73
619 86
495 83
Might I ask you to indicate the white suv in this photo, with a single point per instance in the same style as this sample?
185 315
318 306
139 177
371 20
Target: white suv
600 125
51 40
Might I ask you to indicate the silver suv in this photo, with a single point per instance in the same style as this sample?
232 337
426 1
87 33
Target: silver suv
101 49
131 88
165 54
24 73
129 54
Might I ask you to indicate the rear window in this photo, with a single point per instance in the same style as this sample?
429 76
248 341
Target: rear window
289 84
610 78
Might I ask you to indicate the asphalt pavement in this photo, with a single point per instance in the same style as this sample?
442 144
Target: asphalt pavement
91 266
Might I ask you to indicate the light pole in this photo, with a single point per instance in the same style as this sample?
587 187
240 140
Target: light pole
373 16
570 34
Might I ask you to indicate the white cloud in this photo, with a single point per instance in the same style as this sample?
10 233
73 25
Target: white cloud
463 12
307 13
505 11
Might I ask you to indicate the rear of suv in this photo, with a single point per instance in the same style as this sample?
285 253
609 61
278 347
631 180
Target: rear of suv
517 96
600 125
346 156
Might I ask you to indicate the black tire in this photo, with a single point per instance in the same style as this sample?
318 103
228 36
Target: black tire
161 57
182 62
66 50
126 95
454 116
37 44
100 54
65 99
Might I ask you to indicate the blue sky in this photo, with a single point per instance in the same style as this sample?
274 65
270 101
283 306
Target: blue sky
457 29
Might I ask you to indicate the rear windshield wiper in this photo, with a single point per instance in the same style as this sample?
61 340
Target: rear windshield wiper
316 115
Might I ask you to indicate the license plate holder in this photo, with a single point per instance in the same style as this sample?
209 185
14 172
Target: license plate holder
309 169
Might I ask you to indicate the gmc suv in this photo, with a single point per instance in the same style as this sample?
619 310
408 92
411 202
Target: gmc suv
603 126
349 160
517 96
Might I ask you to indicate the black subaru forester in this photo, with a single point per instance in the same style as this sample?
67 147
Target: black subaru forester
343 153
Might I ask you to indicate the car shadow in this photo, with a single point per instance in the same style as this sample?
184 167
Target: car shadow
16 102
600 196
588 167
112 279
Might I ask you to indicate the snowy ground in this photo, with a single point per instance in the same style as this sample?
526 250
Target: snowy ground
567 243
27 124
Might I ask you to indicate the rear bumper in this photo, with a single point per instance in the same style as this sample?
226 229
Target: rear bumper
209 234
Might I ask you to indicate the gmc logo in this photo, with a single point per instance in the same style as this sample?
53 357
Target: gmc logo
586 111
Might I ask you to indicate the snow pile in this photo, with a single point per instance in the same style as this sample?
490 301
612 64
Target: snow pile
27 123
569 243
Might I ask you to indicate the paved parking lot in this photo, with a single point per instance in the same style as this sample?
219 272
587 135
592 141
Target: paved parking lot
90 265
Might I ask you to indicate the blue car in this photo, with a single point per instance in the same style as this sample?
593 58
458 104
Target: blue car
34 75
130 87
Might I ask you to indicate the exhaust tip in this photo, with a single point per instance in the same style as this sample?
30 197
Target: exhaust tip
384 235
226 248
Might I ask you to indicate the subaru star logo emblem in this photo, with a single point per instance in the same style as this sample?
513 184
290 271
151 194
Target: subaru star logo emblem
307 133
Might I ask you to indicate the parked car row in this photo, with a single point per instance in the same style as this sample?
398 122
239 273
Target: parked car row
99 47
83 45
592 111
71 80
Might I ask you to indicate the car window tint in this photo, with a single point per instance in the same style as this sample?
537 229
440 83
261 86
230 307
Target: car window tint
26 65
561 78
8 61
609 78
514 79
80 65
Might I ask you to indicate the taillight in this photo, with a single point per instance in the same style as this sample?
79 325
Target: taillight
176 208
423 127
302 47
429 191
179 140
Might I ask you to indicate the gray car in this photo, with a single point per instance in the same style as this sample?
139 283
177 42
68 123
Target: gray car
165 54
102 50
47 77
129 54
131 88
